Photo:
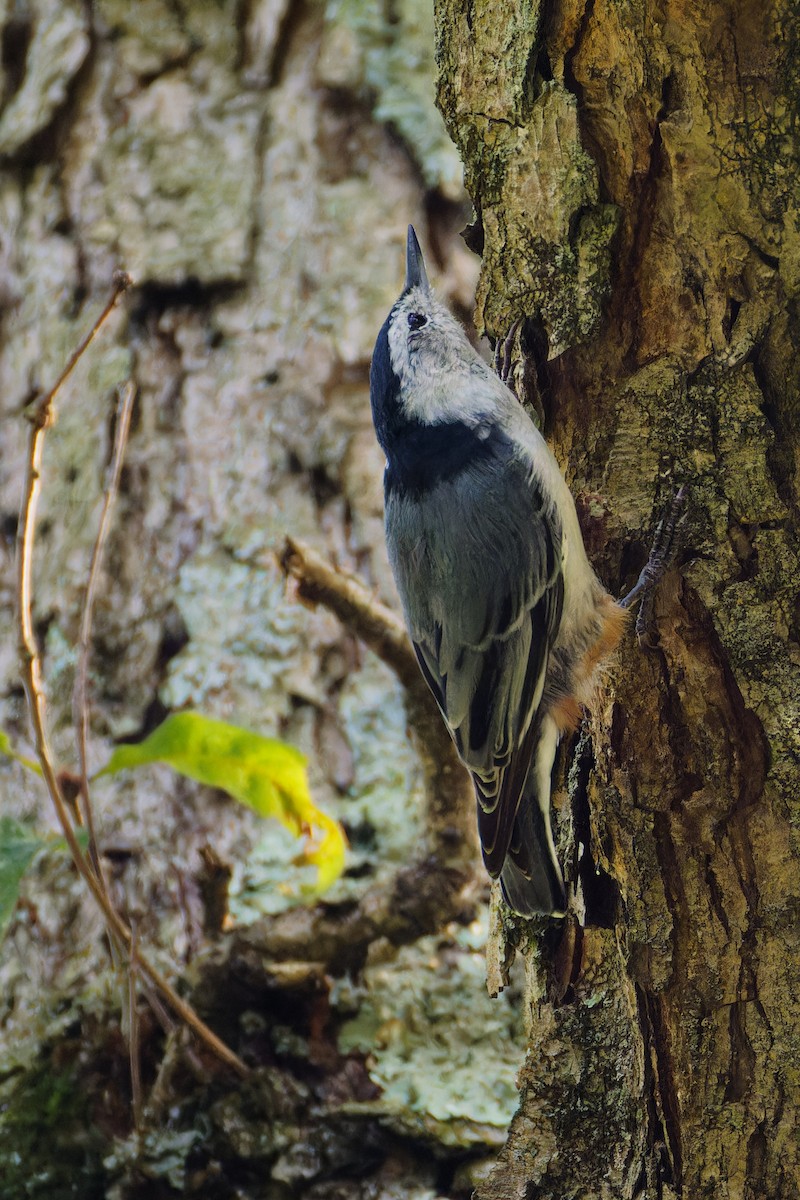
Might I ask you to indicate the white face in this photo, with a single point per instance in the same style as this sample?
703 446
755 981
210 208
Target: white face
442 378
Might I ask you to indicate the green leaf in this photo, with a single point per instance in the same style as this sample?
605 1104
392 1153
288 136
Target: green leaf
8 750
18 845
267 775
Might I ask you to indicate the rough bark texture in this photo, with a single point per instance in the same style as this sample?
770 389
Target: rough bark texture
634 170
253 165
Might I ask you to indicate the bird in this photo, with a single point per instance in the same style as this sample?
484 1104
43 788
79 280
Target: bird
508 620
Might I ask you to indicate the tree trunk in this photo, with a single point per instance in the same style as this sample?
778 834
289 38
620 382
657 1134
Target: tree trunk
634 170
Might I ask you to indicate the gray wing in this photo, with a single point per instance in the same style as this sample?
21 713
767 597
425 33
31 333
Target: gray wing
483 590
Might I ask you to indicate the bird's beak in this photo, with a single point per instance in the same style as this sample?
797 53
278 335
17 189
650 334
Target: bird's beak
416 275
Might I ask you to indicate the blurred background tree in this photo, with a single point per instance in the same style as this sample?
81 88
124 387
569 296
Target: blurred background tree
254 167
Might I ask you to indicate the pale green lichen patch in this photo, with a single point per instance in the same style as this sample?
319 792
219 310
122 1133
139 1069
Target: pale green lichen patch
250 652
243 654
58 47
179 184
267 879
149 36
444 1054
381 808
383 805
390 64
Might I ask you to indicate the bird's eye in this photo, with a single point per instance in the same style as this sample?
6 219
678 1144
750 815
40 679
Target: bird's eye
416 320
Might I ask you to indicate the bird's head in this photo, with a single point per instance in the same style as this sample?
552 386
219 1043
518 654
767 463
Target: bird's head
421 357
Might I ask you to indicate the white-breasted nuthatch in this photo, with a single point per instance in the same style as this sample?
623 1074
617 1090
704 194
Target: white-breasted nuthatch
507 617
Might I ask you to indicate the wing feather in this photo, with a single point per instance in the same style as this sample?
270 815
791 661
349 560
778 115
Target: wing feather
496 822
484 634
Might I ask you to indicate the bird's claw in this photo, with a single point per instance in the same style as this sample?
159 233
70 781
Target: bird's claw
502 356
662 556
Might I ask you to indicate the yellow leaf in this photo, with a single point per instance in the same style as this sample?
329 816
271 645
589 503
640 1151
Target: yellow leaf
263 773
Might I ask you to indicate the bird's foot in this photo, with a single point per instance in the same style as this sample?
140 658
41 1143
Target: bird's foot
662 556
502 357
520 373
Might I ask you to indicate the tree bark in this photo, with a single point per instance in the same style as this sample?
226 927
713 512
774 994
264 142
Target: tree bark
634 170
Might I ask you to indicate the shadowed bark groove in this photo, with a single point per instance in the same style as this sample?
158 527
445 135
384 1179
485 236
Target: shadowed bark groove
637 198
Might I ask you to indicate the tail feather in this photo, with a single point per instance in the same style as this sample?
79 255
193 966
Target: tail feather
531 876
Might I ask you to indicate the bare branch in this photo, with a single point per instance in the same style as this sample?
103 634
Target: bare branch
32 679
347 598
133 1029
43 412
418 900
80 705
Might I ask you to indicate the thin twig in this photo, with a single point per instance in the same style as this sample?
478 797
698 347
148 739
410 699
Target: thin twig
80 711
80 705
133 1029
32 679
43 411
